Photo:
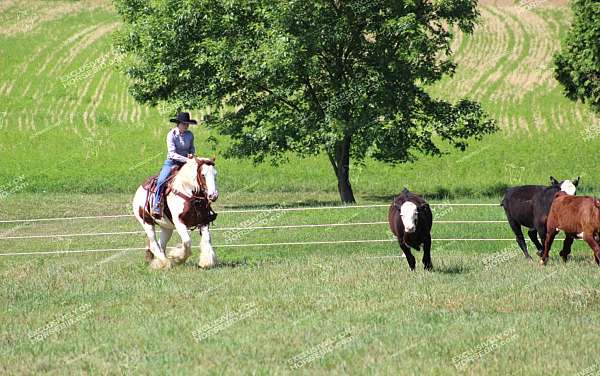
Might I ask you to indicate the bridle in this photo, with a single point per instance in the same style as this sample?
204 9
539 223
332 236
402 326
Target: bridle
201 194
199 199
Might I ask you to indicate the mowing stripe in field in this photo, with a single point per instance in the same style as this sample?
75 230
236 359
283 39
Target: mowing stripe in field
236 211
277 227
80 251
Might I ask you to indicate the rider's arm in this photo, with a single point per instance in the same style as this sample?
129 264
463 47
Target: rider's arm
171 154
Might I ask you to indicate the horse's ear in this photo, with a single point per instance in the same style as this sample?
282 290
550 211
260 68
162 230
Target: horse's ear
576 182
213 158
404 190
553 181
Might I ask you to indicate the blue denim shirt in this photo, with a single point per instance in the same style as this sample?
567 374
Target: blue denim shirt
180 145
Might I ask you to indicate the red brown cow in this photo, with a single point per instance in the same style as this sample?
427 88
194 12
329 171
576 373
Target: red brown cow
578 217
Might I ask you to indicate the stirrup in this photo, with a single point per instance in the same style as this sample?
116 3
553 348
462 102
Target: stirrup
156 214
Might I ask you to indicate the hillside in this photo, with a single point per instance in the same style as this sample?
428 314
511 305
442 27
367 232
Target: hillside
64 107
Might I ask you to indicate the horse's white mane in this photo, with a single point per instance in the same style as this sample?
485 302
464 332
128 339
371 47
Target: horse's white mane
186 177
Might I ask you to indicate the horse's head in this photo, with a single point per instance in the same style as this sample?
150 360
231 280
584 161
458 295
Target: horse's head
206 175
567 186
200 176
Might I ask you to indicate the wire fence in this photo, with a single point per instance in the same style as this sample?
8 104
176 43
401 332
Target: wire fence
256 210
246 228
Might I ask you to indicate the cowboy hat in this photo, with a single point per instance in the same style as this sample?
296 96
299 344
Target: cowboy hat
183 117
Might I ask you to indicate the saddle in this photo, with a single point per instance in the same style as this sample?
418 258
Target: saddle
150 183
197 210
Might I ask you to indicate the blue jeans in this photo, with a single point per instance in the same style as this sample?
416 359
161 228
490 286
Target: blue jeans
162 177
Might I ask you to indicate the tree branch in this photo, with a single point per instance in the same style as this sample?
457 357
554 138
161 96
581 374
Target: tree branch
281 99
313 95
333 164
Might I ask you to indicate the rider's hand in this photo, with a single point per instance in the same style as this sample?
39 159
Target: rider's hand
190 156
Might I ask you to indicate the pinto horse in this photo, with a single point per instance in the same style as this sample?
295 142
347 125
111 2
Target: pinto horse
410 220
578 217
528 206
188 200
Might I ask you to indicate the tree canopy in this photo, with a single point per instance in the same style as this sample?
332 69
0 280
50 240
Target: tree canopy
577 64
344 77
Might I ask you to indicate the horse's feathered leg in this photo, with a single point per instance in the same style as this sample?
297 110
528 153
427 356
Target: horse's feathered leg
208 258
180 254
159 261
165 236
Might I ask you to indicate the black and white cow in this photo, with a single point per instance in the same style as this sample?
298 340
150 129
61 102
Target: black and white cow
410 219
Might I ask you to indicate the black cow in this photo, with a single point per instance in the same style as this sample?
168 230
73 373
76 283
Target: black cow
528 206
410 219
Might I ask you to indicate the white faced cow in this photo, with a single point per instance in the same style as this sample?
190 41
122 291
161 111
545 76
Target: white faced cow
410 219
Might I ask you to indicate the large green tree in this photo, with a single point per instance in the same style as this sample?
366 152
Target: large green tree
577 64
344 77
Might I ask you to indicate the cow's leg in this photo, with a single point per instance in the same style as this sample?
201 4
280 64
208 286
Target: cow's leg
589 238
208 258
547 245
533 235
566 250
427 253
520 238
542 232
159 261
181 253
409 256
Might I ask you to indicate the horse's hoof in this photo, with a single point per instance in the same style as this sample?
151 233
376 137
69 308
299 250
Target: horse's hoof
205 265
158 264
177 261
543 262
148 256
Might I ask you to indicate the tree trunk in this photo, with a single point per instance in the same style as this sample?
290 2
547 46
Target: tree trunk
341 166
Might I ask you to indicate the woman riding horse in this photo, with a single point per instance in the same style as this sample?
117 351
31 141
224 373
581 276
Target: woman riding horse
193 189
180 147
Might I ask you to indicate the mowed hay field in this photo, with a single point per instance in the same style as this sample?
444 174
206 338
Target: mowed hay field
67 122
79 299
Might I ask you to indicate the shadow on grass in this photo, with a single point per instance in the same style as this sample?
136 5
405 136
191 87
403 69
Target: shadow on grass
233 264
306 203
220 265
442 193
451 269
582 258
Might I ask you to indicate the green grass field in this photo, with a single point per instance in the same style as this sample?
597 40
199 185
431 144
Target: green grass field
350 308
74 143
